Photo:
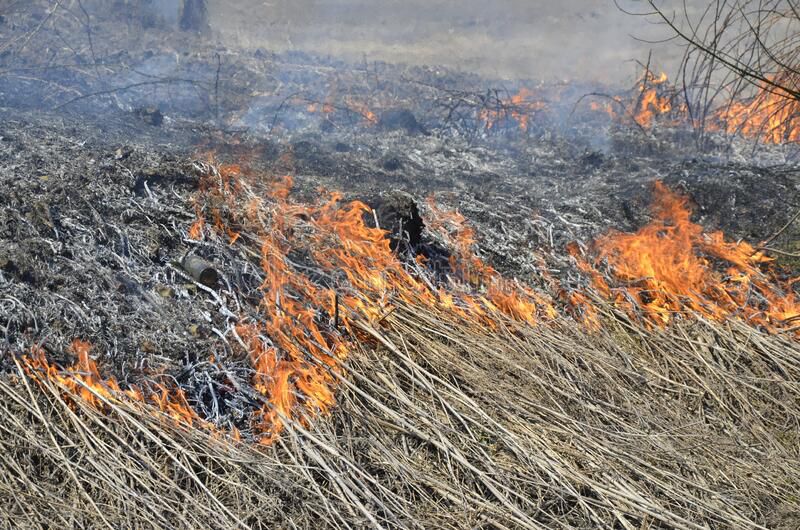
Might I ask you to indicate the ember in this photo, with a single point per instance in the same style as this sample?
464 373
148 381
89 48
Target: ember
519 108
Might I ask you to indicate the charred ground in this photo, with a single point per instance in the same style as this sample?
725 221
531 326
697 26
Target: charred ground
95 213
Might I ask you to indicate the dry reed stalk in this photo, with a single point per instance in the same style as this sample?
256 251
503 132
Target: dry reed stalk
443 425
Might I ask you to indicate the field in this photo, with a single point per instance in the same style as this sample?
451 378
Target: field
575 39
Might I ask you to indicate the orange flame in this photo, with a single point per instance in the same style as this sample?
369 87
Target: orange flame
292 354
517 301
324 108
604 106
651 100
83 381
519 107
297 343
328 108
294 349
672 267
363 109
196 230
771 116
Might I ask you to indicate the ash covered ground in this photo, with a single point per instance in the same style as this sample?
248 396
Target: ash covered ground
97 181
95 214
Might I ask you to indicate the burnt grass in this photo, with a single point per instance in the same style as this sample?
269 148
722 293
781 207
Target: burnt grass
94 214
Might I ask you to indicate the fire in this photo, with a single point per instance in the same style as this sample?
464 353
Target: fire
296 343
83 381
519 108
196 230
519 302
325 108
328 108
477 293
606 107
363 110
651 100
283 372
374 273
672 267
294 367
771 116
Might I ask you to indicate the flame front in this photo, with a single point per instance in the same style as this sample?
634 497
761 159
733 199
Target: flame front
295 347
772 116
303 331
672 267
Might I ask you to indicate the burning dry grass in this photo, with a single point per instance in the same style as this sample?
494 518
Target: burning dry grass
444 426
764 113
460 404
672 267
770 116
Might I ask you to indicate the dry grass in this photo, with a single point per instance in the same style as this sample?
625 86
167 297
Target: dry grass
442 426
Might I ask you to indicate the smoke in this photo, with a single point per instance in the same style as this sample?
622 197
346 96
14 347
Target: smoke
167 10
538 39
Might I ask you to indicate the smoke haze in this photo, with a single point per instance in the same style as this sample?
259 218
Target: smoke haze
538 39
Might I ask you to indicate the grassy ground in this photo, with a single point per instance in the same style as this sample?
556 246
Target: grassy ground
576 39
442 419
